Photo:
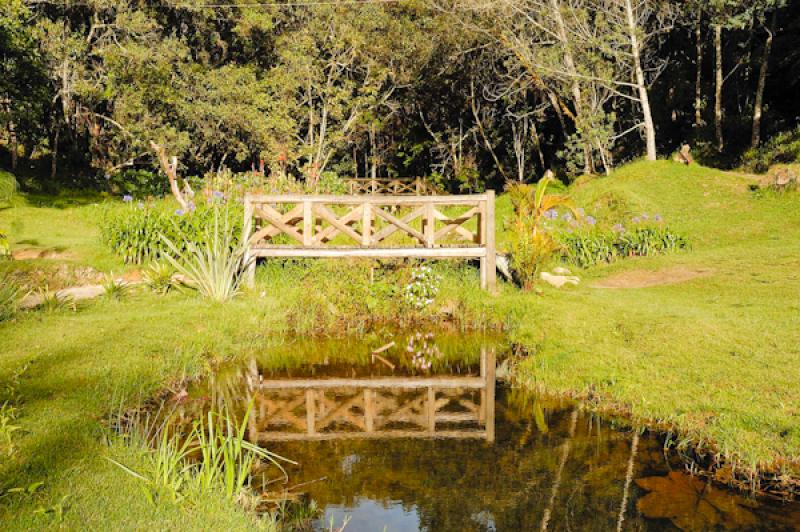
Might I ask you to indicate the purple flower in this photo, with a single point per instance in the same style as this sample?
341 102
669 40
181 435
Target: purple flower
636 219
591 220
645 217
218 194
657 218
127 198
179 212
567 217
551 214
618 228
192 206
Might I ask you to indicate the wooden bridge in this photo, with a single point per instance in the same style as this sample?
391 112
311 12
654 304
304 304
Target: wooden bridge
372 226
394 186
382 407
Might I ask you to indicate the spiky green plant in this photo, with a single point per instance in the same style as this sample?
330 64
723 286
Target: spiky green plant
159 277
115 289
54 302
214 268
10 296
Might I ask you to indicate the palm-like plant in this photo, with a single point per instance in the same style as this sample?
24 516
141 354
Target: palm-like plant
531 245
215 268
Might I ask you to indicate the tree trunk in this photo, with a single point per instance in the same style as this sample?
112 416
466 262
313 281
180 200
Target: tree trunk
575 87
755 139
12 133
718 88
698 79
54 153
171 169
644 99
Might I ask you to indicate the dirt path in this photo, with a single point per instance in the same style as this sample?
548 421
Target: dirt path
648 278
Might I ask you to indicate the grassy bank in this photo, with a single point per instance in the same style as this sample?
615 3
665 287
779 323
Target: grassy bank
715 356
703 341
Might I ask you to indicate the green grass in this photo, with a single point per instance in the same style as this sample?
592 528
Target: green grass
717 357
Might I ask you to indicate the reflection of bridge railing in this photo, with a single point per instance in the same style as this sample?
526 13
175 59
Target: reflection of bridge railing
383 407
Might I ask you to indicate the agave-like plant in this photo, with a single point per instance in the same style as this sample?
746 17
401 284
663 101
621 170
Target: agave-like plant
10 295
531 245
215 268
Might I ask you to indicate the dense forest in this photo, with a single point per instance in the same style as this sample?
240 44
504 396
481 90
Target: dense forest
469 92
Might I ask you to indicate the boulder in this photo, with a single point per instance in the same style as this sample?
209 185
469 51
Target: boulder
559 281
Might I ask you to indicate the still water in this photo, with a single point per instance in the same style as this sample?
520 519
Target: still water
420 436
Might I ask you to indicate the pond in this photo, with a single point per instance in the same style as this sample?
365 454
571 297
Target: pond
419 437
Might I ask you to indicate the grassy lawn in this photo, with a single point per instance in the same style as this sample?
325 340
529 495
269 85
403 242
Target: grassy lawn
717 357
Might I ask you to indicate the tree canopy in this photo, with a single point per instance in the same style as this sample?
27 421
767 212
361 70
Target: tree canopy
473 93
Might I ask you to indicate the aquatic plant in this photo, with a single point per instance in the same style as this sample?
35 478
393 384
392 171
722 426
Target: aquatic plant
212 458
214 268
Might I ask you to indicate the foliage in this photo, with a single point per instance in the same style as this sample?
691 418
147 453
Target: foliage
139 183
530 242
10 295
421 291
8 185
114 289
781 148
5 247
8 415
216 266
588 247
54 301
135 231
159 277
212 458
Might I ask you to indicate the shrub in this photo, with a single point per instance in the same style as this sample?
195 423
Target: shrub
5 247
134 232
139 183
159 277
531 243
588 246
781 148
8 185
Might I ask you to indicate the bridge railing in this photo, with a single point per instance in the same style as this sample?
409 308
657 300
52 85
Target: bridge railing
372 226
394 186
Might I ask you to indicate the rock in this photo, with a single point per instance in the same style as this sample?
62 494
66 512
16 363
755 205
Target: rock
684 156
559 281
783 176
503 266
562 271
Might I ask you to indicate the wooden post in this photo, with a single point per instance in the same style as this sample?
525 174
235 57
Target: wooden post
247 229
308 224
429 229
431 409
311 413
489 264
489 378
369 410
366 225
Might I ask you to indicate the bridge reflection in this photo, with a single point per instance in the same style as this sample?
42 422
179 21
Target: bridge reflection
376 407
